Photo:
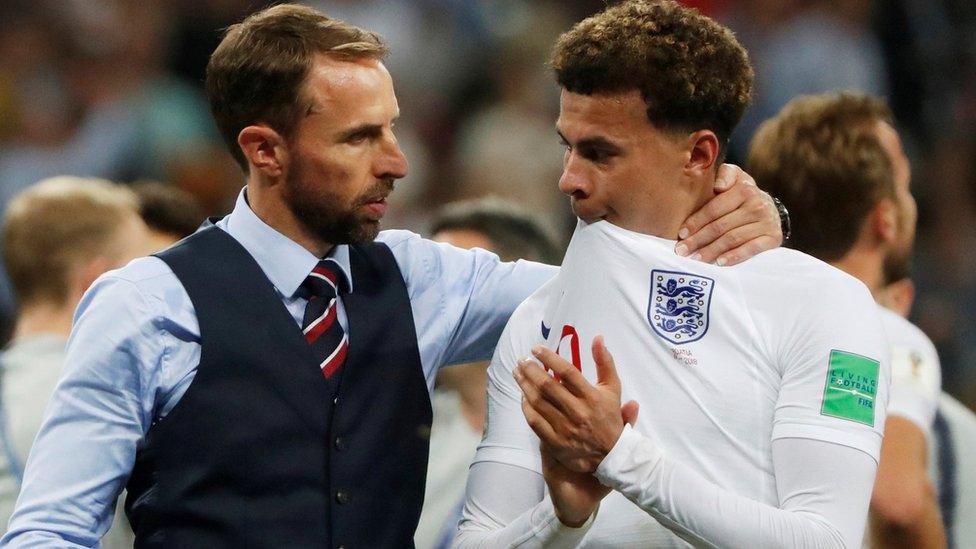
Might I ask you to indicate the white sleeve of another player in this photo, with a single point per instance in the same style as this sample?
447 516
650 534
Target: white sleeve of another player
824 490
916 376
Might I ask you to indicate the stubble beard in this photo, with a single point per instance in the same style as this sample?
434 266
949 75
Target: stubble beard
323 214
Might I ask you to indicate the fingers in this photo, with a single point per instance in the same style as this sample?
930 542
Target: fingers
629 411
539 425
570 377
606 371
753 218
716 208
730 174
748 250
548 396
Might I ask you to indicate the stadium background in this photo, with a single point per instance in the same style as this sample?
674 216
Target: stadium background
112 88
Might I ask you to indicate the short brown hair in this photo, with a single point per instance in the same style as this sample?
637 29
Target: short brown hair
256 73
691 71
168 209
822 156
53 225
512 229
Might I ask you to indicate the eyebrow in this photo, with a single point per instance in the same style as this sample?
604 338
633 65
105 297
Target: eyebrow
365 128
592 142
362 128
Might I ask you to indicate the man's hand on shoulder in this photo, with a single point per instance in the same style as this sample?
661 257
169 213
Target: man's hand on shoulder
740 222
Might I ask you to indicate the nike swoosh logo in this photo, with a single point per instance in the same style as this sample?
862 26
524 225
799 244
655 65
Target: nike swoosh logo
545 331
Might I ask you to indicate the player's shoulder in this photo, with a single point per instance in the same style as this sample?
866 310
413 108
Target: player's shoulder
531 312
901 332
527 327
800 278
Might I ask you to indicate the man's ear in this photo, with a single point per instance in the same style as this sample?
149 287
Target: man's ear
884 220
264 149
704 149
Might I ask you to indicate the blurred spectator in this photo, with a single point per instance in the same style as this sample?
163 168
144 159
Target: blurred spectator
58 237
804 47
459 396
169 213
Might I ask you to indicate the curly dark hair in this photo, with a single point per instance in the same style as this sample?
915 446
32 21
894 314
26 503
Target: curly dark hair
692 71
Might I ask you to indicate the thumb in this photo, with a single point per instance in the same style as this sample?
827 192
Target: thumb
629 412
606 371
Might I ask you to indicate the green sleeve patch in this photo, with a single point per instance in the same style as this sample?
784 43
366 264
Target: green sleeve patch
852 384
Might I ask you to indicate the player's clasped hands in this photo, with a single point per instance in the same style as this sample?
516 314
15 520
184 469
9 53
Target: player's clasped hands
578 422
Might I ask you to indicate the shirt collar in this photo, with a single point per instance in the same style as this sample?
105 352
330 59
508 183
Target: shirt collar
284 261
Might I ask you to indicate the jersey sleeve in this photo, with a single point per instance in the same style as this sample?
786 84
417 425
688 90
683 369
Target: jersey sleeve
508 439
835 370
916 381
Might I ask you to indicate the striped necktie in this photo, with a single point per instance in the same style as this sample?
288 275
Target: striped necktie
321 324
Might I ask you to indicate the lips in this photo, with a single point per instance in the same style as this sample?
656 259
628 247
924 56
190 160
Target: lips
376 207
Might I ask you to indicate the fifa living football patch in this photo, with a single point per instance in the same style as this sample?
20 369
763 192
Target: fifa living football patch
852 385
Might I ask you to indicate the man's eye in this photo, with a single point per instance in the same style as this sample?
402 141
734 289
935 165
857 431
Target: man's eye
596 155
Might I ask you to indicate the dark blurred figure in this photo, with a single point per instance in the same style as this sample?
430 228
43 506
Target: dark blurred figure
58 237
171 214
458 401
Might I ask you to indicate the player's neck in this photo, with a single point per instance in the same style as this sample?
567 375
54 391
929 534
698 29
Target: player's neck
662 214
865 265
43 318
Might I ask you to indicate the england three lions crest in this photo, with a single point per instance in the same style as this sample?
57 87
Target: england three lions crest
679 304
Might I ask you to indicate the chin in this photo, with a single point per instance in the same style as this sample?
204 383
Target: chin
589 215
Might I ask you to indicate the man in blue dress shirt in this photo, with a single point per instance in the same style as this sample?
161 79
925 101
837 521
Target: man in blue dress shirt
239 401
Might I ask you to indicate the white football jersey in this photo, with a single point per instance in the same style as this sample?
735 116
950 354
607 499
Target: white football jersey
723 360
916 376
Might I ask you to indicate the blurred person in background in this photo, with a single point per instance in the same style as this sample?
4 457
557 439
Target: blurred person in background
952 442
211 371
838 164
509 230
58 237
170 214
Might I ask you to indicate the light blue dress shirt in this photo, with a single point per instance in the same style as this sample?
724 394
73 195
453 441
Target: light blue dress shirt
135 348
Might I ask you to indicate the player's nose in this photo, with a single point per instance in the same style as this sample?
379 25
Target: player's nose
574 179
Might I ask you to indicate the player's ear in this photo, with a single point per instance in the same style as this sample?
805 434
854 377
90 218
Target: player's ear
265 150
704 150
884 220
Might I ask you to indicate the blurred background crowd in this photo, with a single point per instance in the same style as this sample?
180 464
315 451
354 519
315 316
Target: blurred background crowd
113 89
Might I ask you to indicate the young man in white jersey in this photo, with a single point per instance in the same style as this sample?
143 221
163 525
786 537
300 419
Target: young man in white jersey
762 387
839 165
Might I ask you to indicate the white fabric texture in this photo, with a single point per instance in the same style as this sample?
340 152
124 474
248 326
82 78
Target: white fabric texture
755 372
452 446
916 375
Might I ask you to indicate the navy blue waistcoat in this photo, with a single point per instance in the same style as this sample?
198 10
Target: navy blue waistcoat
262 450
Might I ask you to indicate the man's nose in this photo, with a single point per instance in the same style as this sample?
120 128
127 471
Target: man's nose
573 178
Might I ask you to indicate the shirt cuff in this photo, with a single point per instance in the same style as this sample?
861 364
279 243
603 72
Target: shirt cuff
629 456
552 533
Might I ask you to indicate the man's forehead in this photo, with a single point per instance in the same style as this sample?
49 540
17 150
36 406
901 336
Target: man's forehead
604 113
333 79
